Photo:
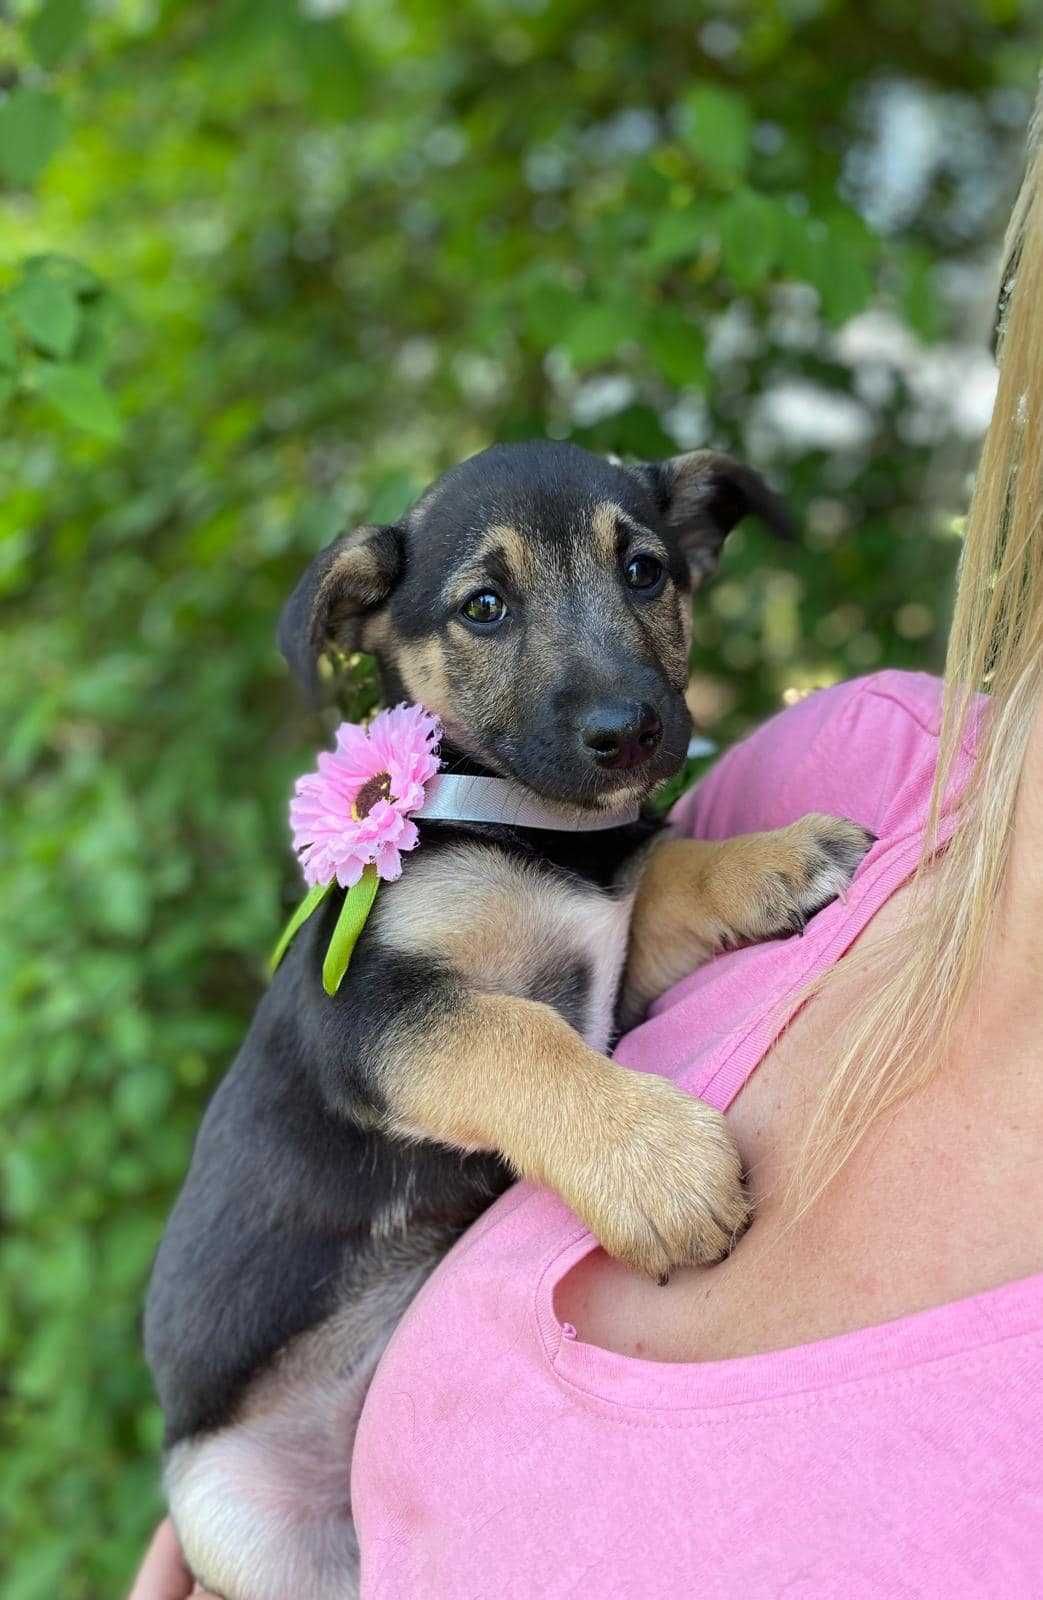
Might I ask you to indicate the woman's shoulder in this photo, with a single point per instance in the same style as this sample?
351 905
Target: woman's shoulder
865 749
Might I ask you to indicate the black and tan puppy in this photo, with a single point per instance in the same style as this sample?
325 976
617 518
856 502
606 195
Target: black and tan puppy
538 599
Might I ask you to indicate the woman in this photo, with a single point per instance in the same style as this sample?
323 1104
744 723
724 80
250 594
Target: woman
852 1403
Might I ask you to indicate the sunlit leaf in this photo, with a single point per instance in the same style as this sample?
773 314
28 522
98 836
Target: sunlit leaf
596 332
80 396
48 311
716 126
677 234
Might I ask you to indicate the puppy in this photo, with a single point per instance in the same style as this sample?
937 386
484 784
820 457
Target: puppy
538 599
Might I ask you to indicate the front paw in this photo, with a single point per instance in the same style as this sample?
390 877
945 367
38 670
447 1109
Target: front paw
805 868
664 1188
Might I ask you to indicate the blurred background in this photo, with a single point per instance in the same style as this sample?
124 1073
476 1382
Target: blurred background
266 267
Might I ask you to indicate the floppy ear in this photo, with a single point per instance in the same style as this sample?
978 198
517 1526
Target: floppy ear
702 495
351 577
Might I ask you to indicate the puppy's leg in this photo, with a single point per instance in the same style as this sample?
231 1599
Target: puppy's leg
653 1172
697 896
262 1506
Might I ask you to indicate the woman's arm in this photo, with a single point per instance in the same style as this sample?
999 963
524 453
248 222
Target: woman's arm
163 1574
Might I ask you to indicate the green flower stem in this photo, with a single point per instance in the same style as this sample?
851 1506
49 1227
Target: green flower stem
311 902
353 913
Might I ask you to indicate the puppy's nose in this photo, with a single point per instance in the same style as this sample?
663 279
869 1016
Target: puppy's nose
621 733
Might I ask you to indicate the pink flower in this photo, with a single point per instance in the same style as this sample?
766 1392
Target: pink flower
354 811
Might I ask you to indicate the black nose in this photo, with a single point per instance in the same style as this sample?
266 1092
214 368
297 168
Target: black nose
621 733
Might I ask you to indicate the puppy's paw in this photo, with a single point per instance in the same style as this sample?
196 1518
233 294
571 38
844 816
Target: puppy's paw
804 868
664 1189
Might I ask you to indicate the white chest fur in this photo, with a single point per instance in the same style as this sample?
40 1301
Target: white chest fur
599 925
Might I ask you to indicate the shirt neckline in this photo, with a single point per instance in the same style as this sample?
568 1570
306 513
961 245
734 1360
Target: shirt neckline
954 1327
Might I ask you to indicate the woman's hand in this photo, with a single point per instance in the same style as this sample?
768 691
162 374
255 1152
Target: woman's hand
163 1574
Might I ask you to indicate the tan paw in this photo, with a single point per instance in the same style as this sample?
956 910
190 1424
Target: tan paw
806 867
664 1189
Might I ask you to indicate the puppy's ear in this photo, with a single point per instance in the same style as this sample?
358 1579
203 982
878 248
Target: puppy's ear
351 577
702 495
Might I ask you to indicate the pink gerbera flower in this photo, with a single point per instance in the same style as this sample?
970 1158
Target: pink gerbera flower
354 811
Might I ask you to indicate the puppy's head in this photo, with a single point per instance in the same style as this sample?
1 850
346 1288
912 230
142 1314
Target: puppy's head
538 599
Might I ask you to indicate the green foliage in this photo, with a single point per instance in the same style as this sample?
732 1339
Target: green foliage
32 126
265 269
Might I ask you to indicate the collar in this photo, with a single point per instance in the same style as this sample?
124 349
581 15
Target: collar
455 797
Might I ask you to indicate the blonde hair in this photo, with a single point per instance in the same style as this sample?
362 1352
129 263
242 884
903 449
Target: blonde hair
919 977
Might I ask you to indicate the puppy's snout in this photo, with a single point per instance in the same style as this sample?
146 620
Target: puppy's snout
621 733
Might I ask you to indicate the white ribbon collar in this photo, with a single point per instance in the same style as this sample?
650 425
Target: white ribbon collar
454 797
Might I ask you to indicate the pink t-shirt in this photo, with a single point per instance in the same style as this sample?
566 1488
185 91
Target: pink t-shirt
501 1458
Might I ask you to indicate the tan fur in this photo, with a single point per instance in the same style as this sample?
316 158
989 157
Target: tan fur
421 663
356 578
697 896
498 921
667 626
518 552
375 633
652 1172
469 682
604 523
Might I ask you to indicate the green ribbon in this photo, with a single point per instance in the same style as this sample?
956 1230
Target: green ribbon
312 900
353 913
358 902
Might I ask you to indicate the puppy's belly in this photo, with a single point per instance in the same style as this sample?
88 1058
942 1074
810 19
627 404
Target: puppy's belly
262 1506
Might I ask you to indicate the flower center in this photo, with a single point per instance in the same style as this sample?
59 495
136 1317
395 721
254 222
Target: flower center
374 789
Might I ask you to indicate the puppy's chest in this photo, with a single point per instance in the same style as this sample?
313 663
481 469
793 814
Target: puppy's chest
509 926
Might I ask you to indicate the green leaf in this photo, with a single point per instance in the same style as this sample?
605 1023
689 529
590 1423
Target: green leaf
716 126
8 350
801 244
921 301
392 496
751 237
48 311
80 396
597 331
677 234
844 266
32 126
141 1096
353 913
677 347
549 306
331 67
100 319
312 900
56 30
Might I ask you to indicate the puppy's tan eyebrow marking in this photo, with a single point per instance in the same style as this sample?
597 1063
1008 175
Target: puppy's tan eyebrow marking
502 558
511 547
604 523
613 529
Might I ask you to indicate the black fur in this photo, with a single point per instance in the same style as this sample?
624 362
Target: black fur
288 1173
292 1171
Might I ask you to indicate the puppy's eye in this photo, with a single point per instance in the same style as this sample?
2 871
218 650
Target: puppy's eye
484 610
644 573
